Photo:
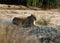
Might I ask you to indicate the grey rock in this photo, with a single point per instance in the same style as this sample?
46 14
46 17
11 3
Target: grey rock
47 33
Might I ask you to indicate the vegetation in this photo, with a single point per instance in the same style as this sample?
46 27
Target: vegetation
33 3
43 21
42 3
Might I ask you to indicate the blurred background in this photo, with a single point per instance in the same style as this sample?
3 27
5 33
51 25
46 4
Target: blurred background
31 4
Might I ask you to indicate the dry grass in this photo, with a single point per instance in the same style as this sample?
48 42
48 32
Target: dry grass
13 7
13 37
21 7
43 21
2 33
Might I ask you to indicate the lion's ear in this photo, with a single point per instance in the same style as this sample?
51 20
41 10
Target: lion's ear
32 17
16 21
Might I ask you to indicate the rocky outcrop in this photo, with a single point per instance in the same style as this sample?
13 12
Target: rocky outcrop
46 33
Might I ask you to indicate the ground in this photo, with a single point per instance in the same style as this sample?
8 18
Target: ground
6 17
19 7
16 7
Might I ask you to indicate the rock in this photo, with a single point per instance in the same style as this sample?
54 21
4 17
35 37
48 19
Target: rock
47 32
